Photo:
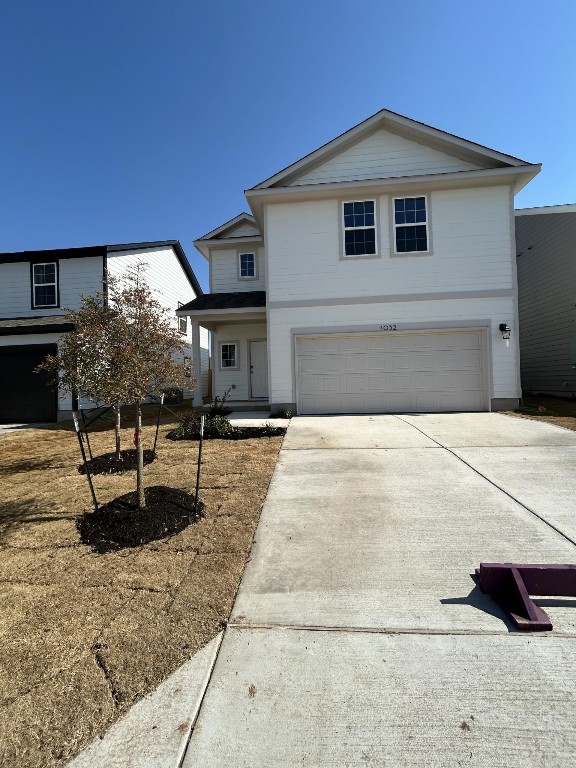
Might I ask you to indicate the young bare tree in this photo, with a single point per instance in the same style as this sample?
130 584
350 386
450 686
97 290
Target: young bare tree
123 349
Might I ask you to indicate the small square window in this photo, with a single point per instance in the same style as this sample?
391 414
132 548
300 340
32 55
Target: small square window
247 265
359 228
44 285
410 225
228 356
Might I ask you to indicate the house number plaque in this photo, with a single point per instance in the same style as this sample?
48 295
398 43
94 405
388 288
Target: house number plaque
389 327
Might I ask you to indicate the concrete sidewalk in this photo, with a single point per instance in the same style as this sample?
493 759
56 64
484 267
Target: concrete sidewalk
359 636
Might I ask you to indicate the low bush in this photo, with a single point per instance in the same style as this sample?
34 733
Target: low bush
220 428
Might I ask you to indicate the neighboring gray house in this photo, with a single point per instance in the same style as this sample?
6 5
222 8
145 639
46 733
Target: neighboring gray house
36 289
546 258
372 275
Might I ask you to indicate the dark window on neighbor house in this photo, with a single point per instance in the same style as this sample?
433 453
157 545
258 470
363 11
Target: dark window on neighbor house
359 228
182 321
410 224
228 356
45 285
247 265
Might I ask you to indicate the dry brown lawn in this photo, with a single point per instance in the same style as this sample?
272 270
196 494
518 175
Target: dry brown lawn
83 635
553 410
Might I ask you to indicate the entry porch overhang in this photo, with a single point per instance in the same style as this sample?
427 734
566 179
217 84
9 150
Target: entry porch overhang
213 309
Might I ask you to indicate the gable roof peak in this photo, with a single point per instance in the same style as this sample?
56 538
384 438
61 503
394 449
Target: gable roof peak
395 123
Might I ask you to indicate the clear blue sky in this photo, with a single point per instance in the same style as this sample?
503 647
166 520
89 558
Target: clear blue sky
135 120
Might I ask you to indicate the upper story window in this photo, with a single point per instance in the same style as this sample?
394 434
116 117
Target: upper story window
45 285
410 224
182 322
247 266
359 228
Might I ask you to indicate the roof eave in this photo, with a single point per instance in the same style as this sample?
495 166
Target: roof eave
519 176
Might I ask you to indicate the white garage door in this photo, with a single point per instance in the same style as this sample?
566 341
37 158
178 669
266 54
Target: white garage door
392 372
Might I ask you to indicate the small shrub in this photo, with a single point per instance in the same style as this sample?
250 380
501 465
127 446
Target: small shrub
217 426
217 406
268 430
189 429
281 413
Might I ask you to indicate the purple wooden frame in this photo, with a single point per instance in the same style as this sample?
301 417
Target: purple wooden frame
511 585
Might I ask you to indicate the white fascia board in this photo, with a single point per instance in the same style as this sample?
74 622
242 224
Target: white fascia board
227 242
236 311
397 123
562 208
518 176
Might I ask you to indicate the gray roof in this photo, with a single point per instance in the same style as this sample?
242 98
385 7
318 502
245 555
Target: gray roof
236 300
17 326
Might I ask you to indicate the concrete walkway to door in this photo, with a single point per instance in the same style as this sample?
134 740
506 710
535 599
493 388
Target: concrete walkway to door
359 636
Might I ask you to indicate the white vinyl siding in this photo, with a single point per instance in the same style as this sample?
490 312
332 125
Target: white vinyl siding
547 301
169 286
76 277
472 249
225 273
241 230
383 155
239 377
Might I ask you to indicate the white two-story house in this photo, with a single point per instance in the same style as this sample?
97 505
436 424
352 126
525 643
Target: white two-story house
376 274
38 287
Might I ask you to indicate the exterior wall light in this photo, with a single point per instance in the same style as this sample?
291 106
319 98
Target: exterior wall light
505 330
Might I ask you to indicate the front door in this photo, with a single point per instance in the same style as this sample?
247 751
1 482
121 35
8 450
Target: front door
258 369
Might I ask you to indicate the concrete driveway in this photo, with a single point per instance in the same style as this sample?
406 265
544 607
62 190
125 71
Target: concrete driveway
359 636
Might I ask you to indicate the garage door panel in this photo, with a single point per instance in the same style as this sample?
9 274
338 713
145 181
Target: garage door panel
355 383
403 372
24 395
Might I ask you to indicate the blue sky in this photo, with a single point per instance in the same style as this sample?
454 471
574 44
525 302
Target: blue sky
135 120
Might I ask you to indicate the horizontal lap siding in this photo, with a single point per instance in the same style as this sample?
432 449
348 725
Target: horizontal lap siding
239 378
169 285
368 317
547 301
76 277
224 271
381 155
470 237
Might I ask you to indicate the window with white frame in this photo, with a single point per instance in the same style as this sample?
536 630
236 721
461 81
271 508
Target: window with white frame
247 265
229 355
45 285
410 225
359 228
182 322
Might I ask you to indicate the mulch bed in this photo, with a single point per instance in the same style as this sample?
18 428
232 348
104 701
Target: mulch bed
109 464
235 433
120 524
246 433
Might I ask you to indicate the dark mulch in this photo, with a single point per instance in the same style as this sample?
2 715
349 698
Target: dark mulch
245 433
235 433
108 464
120 524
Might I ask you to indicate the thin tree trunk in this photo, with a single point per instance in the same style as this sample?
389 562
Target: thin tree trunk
140 459
117 428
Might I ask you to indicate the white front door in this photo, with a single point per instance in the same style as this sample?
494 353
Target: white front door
258 369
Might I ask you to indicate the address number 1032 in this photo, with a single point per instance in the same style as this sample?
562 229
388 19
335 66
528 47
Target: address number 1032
389 327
